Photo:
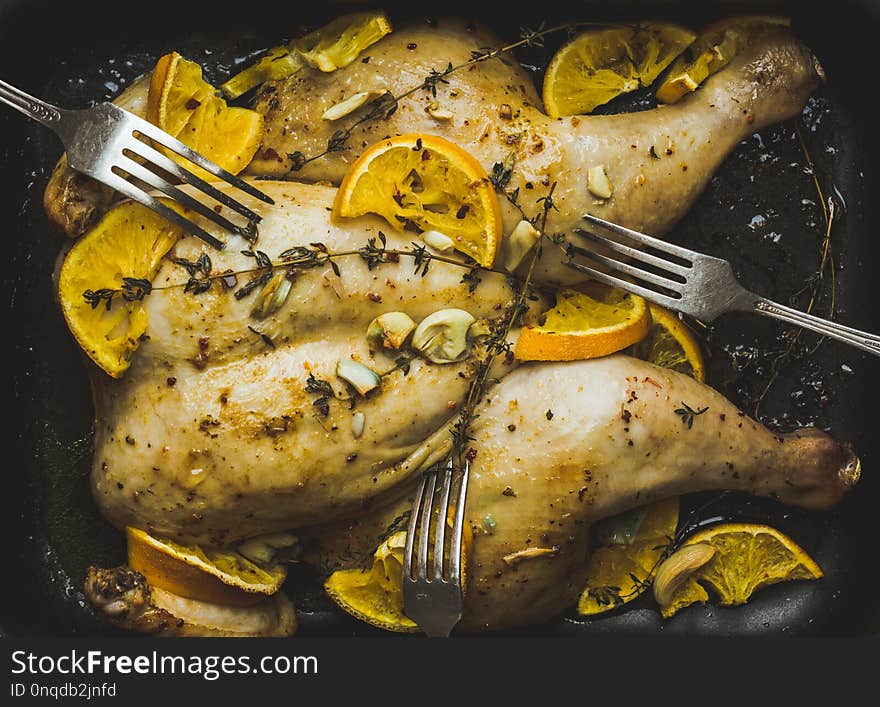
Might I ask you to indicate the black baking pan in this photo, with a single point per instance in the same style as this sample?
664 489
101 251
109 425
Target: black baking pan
761 211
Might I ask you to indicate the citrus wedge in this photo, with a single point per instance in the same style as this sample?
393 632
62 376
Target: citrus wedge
375 595
629 548
430 182
125 247
184 105
338 43
601 64
670 343
747 557
585 324
219 577
328 48
711 51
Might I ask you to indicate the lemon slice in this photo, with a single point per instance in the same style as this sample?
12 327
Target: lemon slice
670 343
331 47
747 557
598 65
185 106
430 182
219 577
629 550
711 51
126 246
585 324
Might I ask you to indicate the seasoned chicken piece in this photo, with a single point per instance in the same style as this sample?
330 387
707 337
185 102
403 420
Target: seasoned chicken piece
123 597
593 439
658 161
211 434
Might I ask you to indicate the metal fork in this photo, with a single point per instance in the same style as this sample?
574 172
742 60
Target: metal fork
433 598
696 284
113 146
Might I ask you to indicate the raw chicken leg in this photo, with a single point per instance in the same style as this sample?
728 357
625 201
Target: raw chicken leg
657 160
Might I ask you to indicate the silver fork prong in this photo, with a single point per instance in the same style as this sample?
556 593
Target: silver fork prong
156 182
458 528
648 294
635 253
655 243
440 527
154 156
424 521
412 528
166 140
137 194
638 273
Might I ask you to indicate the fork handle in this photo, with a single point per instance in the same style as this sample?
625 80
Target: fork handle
42 112
860 339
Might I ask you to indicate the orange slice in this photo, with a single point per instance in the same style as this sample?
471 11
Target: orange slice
670 343
746 558
219 577
594 322
187 107
126 246
431 183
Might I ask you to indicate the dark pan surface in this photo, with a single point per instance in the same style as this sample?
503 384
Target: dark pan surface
761 211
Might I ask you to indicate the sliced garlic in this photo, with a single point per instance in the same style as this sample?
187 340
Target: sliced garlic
438 113
531 553
358 420
265 548
676 569
390 330
521 240
350 104
481 327
438 241
598 183
442 337
272 296
362 379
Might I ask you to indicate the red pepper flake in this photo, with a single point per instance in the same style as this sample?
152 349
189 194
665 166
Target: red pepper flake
192 104
451 404
471 454
374 297
650 380
411 46
512 428
203 343
171 381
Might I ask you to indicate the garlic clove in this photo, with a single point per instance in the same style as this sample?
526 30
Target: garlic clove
266 548
437 240
598 183
519 243
442 337
676 569
438 113
350 104
358 422
390 330
361 378
272 296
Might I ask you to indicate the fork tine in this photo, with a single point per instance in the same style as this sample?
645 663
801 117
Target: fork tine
411 530
139 195
458 528
143 174
425 525
652 295
655 243
151 131
151 154
440 528
635 253
642 275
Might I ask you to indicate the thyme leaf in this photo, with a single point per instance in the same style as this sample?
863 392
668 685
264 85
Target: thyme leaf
687 414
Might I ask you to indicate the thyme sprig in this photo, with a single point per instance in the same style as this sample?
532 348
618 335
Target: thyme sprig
687 414
497 344
298 257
